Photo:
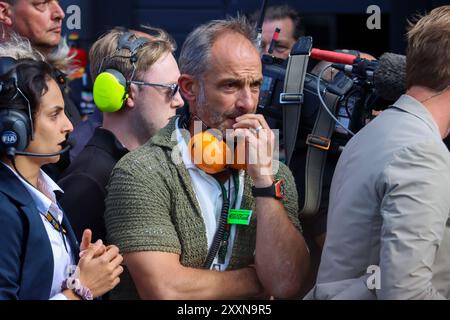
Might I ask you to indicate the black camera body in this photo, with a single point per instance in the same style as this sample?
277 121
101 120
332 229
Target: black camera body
308 132
357 99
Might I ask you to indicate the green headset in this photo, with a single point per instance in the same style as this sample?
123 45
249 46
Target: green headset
111 87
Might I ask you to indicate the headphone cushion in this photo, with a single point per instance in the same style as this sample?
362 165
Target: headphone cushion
15 129
110 91
208 153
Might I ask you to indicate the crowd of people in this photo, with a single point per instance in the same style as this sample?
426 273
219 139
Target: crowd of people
136 214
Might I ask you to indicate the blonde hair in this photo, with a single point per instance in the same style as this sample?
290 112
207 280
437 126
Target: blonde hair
104 55
428 54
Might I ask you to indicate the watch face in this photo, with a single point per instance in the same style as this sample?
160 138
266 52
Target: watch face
280 189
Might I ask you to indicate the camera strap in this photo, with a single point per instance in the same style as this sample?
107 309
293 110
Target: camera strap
292 96
318 142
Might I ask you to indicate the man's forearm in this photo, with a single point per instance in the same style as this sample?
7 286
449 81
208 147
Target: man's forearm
190 283
282 258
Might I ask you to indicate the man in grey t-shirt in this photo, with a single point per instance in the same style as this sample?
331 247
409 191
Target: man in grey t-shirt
389 203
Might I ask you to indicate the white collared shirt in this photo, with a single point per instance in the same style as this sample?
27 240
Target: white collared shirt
62 259
209 196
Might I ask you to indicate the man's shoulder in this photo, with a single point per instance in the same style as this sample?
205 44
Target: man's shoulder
147 157
92 162
393 132
156 152
426 152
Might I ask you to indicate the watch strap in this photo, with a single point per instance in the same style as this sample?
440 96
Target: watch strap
276 190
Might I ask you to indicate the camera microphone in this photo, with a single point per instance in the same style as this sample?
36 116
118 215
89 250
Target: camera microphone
388 74
260 24
67 145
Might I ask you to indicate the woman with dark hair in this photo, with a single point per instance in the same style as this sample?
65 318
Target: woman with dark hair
39 255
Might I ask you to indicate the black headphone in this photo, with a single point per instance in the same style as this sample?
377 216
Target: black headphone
16 127
111 87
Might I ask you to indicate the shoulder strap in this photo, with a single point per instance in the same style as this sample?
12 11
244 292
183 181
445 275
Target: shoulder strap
292 97
318 145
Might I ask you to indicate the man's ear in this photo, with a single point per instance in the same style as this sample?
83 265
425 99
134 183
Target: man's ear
5 13
132 95
188 87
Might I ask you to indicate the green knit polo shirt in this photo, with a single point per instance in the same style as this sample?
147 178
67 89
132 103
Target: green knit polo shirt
151 206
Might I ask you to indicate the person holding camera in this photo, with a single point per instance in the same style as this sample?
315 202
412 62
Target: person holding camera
195 229
40 257
387 232
287 19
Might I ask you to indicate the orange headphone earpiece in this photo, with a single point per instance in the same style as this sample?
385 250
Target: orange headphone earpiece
207 152
210 154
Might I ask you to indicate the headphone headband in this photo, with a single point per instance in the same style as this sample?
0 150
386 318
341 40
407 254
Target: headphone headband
6 64
16 126
132 46
111 86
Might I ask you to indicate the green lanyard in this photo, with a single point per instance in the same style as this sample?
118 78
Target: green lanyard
223 248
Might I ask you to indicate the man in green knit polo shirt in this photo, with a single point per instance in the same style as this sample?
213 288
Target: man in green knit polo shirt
163 211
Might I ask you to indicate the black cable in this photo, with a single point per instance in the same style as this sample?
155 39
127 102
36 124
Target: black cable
219 234
13 162
218 237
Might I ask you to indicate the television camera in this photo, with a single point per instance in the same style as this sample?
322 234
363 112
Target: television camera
320 115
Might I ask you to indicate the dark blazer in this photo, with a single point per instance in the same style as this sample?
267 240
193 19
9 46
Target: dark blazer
26 257
84 183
